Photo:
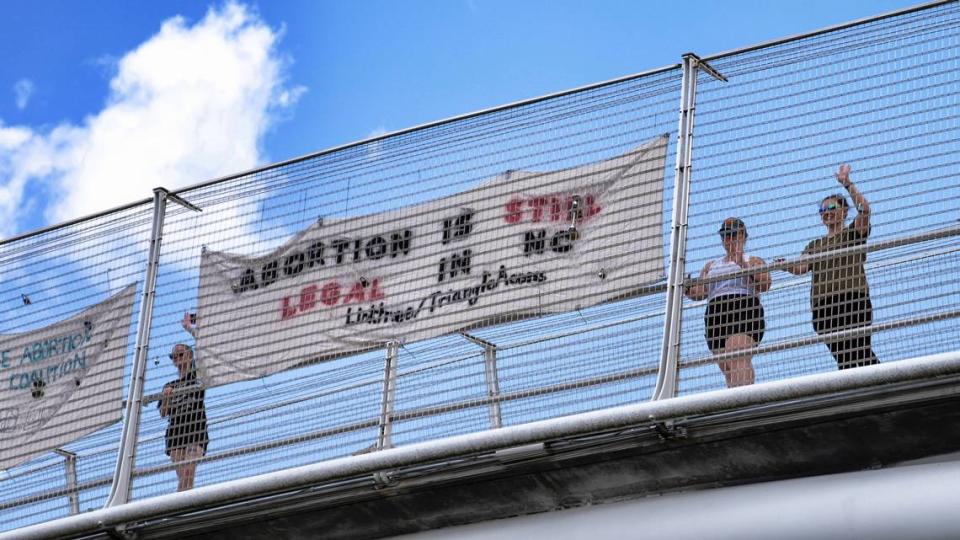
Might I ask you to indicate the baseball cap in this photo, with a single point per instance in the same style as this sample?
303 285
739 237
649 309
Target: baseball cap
733 225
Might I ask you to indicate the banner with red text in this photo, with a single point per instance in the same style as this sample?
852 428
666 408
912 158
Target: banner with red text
522 244
63 381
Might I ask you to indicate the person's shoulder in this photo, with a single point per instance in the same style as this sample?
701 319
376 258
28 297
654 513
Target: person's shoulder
813 245
851 233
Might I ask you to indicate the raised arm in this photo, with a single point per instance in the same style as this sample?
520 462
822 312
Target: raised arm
862 222
700 290
188 325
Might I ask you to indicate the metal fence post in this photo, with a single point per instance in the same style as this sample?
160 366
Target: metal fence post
70 468
491 375
493 384
670 347
123 475
389 394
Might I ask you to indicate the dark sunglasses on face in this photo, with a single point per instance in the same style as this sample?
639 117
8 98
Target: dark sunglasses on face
177 355
728 234
829 207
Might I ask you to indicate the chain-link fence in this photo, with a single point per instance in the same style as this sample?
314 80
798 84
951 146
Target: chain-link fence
496 269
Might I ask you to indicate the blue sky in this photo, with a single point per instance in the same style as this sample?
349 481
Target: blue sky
100 102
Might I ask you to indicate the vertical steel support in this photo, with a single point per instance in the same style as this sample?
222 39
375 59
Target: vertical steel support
70 468
493 384
491 375
670 346
384 439
123 475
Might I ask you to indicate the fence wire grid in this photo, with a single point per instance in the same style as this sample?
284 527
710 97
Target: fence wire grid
881 96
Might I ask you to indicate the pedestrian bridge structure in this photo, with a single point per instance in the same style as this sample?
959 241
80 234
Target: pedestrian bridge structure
490 326
860 453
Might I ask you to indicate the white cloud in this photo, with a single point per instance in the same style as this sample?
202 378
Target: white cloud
289 97
17 165
189 104
23 91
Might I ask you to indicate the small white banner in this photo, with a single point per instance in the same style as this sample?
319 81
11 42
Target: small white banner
63 381
523 244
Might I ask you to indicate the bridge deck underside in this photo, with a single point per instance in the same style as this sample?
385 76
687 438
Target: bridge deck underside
842 433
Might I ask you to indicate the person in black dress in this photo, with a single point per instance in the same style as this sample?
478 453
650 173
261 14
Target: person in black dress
182 406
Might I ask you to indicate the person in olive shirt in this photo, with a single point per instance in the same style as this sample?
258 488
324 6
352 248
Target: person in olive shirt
182 405
840 294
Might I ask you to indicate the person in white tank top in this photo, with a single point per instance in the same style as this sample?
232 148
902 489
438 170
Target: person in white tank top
734 319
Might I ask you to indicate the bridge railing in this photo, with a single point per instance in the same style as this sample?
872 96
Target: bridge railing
763 146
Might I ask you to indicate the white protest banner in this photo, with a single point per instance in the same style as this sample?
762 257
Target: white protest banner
63 381
520 245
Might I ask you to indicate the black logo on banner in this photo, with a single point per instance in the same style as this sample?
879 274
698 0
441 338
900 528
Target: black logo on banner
380 314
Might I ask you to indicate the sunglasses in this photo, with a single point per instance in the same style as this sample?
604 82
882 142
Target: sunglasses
179 354
728 234
829 207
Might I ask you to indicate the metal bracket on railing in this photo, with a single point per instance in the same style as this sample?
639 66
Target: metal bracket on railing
384 437
492 377
183 202
384 479
70 468
668 430
122 532
707 68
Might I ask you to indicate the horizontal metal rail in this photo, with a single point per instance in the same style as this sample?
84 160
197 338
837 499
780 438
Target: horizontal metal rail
520 103
822 338
891 243
54 227
646 413
550 389
827 29
561 387
57 493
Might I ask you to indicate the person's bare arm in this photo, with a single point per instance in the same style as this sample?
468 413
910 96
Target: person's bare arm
797 269
188 325
165 401
700 290
761 280
862 222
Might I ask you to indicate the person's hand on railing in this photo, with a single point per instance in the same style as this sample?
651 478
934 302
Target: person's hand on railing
797 269
761 280
698 291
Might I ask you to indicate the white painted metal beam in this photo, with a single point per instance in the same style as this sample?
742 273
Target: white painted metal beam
918 502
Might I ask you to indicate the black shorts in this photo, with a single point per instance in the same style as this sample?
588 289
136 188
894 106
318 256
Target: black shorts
730 315
846 311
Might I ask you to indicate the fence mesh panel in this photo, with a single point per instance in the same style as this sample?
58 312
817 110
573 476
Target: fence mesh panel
63 386
334 407
882 97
